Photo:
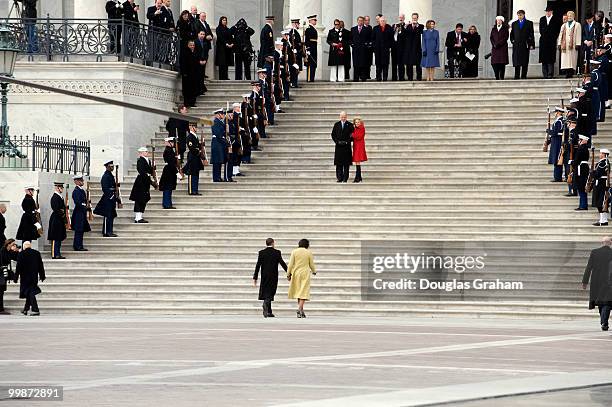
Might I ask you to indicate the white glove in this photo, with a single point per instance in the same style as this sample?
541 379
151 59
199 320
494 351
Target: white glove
296 66
307 52
255 130
295 51
241 129
179 176
254 116
570 161
38 225
84 204
118 5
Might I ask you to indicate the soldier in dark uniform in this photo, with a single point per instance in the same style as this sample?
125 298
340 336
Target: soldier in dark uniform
237 131
570 141
586 119
555 139
266 94
218 146
228 165
600 177
108 203
295 41
580 165
114 11
259 114
248 123
81 209
29 225
595 79
29 269
178 129
285 66
268 261
57 221
167 182
266 41
311 38
140 193
196 158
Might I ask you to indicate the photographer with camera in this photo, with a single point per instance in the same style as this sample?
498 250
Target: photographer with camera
243 48
8 254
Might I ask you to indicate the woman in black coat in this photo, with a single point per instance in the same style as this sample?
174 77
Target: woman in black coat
224 51
167 182
499 47
472 44
8 253
186 29
243 48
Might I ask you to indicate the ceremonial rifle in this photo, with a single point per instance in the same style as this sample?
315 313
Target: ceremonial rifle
117 190
563 143
40 230
570 177
606 202
591 178
228 139
88 207
179 165
547 137
154 182
67 209
203 155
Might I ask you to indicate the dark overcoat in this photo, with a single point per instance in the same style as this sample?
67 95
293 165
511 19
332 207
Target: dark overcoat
141 191
79 220
167 182
108 203
266 47
361 43
599 272
29 269
224 56
413 51
27 229
268 261
499 45
218 145
549 33
382 42
522 39
337 55
57 220
343 137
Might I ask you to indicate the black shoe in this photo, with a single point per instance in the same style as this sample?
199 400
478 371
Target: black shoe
240 175
604 327
303 315
24 312
600 224
271 315
568 194
81 249
110 235
581 209
299 314
58 258
265 310
339 180
169 207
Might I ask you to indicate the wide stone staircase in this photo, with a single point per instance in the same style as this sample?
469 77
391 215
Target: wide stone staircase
450 160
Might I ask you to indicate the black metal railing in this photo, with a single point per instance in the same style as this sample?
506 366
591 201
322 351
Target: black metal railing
48 154
62 39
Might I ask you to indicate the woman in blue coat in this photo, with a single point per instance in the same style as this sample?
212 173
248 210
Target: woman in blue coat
431 49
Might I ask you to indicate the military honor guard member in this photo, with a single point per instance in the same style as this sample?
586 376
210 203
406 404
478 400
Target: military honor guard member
266 41
107 207
259 114
311 38
297 61
168 180
196 159
238 129
597 272
218 145
268 261
140 193
56 233
30 269
80 224
571 145
580 165
249 135
600 184
342 135
178 129
555 139
29 224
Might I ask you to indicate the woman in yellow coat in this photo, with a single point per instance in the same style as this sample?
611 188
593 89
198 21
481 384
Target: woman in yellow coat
301 264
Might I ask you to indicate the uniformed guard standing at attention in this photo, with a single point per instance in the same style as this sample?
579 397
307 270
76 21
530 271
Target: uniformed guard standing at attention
555 139
57 221
141 190
218 146
311 38
259 114
167 182
29 224
195 161
600 177
80 212
237 131
266 41
580 165
228 166
571 146
247 121
107 207
296 62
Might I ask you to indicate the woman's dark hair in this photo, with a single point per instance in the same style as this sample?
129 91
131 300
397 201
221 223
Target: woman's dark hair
429 22
8 243
221 19
184 13
304 243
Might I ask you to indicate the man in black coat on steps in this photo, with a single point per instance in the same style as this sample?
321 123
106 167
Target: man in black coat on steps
29 269
342 135
268 261
598 271
522 38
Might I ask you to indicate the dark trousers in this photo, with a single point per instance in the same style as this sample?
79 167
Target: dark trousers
114 31
311 70
360 73
267 305
189 93
167 198
558 172
397 68
604 314
293 76
228 172
31 302
140 206
193 182
223 72
520 72
382 72
454 67
270 114
30 29
56 248
243 60
548 70
583 200
500 71
216 172
78 240
419 72
286 86
107 225
1 300
342 172
358 173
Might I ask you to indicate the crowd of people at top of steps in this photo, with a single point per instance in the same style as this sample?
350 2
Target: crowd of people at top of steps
571 137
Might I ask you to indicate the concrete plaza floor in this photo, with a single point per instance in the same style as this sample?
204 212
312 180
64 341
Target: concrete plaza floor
315 362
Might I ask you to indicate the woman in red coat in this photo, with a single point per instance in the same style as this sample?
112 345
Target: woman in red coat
359 151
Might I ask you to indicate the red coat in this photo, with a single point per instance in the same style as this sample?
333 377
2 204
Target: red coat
359 150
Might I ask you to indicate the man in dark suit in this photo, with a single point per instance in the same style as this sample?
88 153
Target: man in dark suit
268 261
397 50
202 25
382 39
523 41
156 15
114 11
342 135
130 11
598 271
455 50
413 51
588 39
362 40
266 41
29 270
549 33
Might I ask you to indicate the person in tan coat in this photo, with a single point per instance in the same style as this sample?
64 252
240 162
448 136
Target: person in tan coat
301 264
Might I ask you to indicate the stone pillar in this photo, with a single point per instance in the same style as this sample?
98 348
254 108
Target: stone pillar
534 9
332 9
422 7
89 9
366 8
297 10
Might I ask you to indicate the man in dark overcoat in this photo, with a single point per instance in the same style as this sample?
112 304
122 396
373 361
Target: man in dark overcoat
167 182
80 212
361 43
268 261
107 206
218 145
266 41
549 33
342 135
141 190
29 269
523 41
195 162
599 273
413 51
56 233
382 40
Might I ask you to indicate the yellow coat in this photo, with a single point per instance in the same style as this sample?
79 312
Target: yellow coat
301 264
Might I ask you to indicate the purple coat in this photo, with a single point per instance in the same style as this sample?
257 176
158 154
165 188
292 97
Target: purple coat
499 45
